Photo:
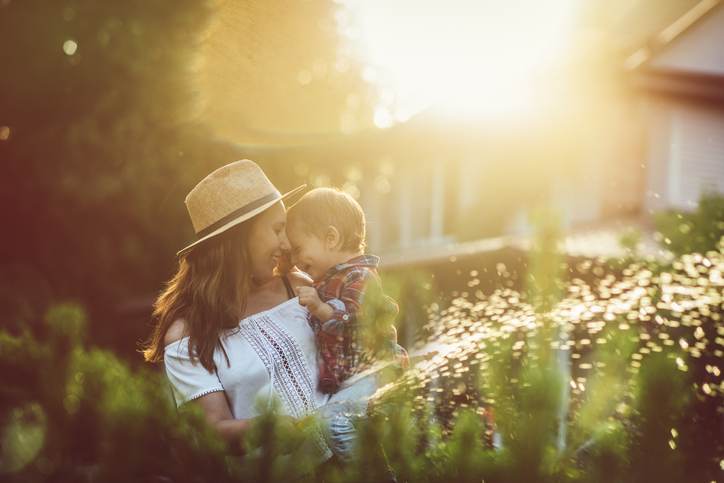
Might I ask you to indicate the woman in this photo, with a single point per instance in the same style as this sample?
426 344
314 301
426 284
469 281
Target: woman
228 326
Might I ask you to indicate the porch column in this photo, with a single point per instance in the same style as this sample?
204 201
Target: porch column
437 201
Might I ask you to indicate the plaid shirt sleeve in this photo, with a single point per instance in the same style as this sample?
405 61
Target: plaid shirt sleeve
354 296
351 297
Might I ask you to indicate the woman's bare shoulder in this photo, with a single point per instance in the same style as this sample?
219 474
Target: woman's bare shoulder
176 331
299 279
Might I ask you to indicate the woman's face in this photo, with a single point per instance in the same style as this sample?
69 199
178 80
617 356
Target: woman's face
267 241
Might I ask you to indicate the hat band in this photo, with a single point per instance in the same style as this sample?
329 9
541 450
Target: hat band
238 213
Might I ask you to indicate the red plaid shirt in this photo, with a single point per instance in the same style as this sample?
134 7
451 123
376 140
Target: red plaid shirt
340 349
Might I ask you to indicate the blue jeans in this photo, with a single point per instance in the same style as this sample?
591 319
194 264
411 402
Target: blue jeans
343 407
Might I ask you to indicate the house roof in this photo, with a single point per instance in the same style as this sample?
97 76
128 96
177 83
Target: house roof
675 61
663 38
633 24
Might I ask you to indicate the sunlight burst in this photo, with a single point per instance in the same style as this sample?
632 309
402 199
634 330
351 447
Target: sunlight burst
480 58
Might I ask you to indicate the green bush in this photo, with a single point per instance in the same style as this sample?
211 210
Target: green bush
693 232
618 380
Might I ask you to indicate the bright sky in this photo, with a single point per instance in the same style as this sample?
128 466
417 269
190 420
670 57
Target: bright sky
470 58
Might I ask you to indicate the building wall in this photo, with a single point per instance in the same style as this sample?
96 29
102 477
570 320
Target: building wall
624 167
417 211
686 154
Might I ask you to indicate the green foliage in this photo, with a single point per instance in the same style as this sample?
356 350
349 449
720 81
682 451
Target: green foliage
278 448
627 386
545 262
638 399
100 106
67 321
693 232
23 438
660 399
630 240
73 414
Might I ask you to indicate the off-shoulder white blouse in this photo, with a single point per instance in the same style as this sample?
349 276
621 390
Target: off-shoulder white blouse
271 353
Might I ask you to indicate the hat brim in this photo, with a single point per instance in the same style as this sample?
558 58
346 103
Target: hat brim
242 218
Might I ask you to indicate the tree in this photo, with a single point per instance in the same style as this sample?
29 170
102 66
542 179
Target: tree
99 145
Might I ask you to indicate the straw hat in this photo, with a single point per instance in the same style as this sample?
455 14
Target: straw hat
228 196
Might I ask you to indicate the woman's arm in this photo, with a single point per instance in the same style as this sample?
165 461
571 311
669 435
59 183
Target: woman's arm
214 405
218 414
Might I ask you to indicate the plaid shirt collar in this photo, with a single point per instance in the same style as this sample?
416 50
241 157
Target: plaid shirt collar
368 261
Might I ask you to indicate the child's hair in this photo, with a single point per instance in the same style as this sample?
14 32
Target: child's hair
322 207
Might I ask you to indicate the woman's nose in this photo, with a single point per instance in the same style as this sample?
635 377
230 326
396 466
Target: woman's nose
284 244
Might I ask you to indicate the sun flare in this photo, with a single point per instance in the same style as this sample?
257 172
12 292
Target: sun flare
480 58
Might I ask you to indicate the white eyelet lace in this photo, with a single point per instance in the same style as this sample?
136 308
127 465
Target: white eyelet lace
285 363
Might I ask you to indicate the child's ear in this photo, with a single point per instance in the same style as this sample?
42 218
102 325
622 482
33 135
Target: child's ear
333 239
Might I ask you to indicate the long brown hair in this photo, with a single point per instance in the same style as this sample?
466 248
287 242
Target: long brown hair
209 292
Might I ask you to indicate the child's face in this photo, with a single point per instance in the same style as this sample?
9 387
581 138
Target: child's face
309 252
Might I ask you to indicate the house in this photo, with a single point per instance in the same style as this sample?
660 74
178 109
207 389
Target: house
433 186
680 76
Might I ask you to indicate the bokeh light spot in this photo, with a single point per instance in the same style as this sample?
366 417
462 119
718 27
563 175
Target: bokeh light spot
70 47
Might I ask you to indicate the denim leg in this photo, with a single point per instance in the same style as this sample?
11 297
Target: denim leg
343 436
340 413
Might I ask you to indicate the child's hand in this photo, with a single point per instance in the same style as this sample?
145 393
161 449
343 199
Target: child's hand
309 298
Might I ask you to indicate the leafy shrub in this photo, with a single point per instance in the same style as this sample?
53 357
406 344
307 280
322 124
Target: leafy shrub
693 232
619 380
